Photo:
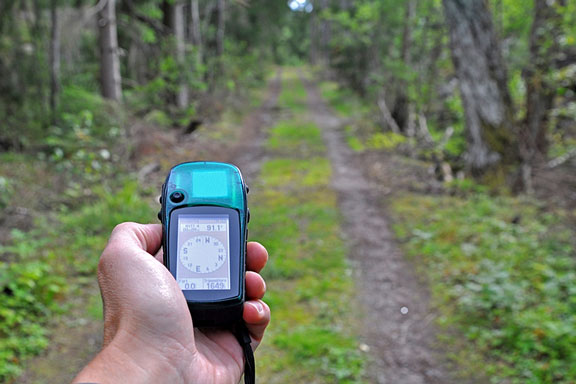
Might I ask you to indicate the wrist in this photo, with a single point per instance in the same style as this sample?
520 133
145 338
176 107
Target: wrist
126 359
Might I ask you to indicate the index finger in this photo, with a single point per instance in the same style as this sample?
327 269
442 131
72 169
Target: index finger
147 237
257 256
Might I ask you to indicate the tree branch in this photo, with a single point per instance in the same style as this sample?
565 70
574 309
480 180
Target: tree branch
561 159
91 12
386 115
154 24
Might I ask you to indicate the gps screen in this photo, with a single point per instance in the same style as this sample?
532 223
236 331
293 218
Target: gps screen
203 252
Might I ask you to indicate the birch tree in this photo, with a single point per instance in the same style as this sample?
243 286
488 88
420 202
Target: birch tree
195 30
110 78
221 27
54 59
182 96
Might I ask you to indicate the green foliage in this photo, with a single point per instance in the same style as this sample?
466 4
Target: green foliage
151 70
390 50
167 76
375 141
385 140
354 143
34 282
465 187
242 69
343 100
6 191
502 273
126 204
76 100
325 348
560 145
80 142
87 229
30 289
359 136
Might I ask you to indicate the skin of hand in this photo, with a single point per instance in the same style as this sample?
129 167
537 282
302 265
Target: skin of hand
148 331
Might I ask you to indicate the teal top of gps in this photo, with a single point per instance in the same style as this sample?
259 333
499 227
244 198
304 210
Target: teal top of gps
209 183
205 183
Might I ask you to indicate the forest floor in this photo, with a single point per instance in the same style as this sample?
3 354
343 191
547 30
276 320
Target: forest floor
395 326
76 336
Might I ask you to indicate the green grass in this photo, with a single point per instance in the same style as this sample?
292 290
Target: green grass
292 173
46 262
295 137
345 102
311 338
30 290
293 95
95 308
502 273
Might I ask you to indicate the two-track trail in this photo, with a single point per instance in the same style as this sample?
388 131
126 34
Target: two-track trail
398 323
396 319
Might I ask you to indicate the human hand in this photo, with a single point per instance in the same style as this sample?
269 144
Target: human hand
148 331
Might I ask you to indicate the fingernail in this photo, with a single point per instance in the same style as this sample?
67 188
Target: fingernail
259 307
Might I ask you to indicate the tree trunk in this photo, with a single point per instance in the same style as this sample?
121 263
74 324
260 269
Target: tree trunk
209 8
402 108
195 31
314 38
110 79
483 84
167 7
36 77
178 17
54 59
407 32
544 50
221 27
345 4
325 33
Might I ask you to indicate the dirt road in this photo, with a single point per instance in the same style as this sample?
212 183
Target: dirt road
398 322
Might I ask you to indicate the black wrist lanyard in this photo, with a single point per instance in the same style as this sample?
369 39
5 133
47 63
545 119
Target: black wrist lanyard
243 337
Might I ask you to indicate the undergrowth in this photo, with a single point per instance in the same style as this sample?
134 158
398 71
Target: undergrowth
363 134
67 198
502 273
45 262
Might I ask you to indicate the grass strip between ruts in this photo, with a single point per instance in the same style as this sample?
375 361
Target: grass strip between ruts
311 338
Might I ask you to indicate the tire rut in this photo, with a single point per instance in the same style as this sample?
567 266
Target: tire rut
250 155
397 321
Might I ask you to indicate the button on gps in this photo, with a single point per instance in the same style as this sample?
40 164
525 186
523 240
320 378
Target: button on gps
177 197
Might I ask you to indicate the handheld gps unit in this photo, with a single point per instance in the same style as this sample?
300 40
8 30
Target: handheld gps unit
204 217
